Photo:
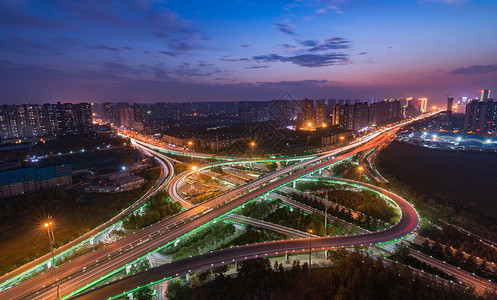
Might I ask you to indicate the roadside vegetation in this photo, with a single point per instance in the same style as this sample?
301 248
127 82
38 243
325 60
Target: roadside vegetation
453 237
158 208
353 277
365 202
458 259
402 255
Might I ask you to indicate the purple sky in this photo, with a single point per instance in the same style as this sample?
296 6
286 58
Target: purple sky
148 51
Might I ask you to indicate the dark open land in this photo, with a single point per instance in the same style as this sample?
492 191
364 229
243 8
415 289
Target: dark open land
97 159
467 180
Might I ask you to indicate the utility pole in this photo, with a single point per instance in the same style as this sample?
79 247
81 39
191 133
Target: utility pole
309 229
51 240
326 215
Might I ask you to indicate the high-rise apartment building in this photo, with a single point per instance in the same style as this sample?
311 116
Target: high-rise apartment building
423 105
481 117
108 112
485 95
450 102
307 114
74 118
384 112
342 116
127 117
359 116
47 120
321 117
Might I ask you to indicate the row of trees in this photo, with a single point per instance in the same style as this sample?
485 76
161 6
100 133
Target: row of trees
402 255
362 220
353 277
254 235
452 237
195 242
259 209
458 259
284 216
159 208
366 202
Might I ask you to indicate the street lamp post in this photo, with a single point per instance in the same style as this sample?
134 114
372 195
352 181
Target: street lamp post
309 229
252 145
51 240
360 172
194 168
341 143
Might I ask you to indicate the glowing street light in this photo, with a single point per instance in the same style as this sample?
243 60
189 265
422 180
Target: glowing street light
360 168
342 138
309 124
190 143
51 239
195 171
252 145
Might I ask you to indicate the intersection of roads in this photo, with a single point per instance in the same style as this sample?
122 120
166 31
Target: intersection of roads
78 276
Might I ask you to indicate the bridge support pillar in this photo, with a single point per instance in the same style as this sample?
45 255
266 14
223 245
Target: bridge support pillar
187 278
295 184
91 241
371 248
237 266
320 171
128 268
287 258
325 254
130 296
49 264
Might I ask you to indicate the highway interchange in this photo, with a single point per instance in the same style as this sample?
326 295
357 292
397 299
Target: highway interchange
84 271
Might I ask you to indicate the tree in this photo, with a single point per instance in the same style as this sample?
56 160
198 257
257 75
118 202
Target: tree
143 294
177 291
402 252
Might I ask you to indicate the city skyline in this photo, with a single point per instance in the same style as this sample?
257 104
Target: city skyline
152 51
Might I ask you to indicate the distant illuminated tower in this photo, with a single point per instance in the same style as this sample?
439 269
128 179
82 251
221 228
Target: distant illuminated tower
321 114
485 95
308 111
450 102
422 104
